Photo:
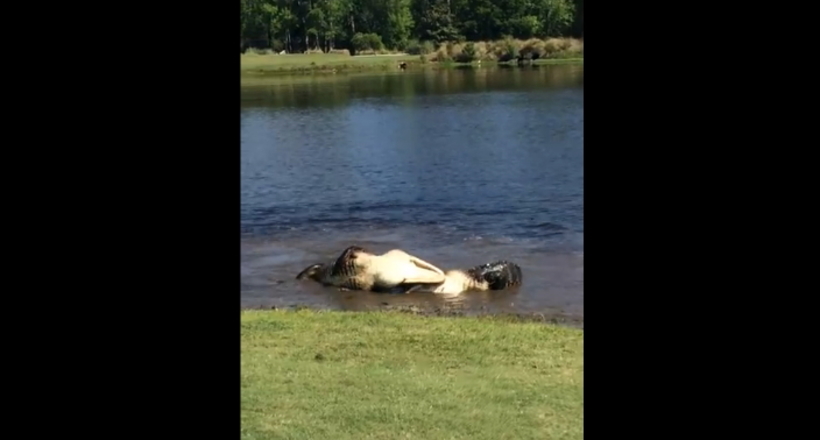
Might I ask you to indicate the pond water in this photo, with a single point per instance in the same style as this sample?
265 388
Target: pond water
459 167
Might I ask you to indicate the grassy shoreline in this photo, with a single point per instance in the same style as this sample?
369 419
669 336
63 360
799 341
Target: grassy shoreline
551 51
554 317
312 64
386 374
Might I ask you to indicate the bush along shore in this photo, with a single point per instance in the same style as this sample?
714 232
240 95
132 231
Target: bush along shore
418 55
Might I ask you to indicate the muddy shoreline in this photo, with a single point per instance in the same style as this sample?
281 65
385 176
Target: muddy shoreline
557 318
553 278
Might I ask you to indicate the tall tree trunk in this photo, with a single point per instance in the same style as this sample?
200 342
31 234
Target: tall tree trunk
332 36
307 36
352 33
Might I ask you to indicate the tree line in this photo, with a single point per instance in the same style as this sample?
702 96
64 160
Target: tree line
302 25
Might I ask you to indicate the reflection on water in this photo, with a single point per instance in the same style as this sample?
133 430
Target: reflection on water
457 166
330 90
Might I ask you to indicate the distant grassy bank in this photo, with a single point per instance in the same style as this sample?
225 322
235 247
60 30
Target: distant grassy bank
259 62
363 375
554 50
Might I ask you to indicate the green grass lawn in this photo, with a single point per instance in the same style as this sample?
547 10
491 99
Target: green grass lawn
251 62
390 375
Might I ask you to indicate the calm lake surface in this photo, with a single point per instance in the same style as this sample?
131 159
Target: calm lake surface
459 167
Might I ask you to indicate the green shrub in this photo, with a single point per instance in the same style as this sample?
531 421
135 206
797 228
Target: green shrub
468 54
416 47
362 42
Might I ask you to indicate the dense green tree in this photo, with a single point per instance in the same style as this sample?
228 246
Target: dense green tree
398 23
300 25
556 17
